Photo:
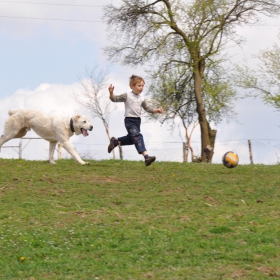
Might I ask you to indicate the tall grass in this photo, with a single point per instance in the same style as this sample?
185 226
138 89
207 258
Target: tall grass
122 220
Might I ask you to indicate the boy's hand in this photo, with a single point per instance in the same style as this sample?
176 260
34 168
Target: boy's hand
159 110
111 89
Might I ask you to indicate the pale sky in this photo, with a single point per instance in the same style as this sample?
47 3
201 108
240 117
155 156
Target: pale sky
46 50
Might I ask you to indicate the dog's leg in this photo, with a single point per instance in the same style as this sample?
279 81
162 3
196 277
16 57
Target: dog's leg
1 143
12 131
5 138
51 152
68 147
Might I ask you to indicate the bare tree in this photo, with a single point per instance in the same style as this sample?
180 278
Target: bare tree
94 97
188 144
181 32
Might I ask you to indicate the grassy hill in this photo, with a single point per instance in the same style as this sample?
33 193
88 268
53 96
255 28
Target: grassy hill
122 220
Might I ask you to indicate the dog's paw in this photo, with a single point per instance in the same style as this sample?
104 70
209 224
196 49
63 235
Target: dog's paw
52 161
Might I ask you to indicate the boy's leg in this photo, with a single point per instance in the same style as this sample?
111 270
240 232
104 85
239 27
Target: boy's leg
123 141
133 128
149 160
134 136
113 143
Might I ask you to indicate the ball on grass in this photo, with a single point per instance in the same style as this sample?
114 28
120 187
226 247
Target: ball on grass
230 159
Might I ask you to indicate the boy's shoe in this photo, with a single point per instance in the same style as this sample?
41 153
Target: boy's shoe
149 160
111 145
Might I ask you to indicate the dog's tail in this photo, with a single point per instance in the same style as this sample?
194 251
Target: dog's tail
12 112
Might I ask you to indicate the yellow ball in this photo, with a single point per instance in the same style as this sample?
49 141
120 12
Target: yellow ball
230 159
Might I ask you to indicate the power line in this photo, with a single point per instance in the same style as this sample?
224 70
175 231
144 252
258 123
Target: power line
50 4
52 19
179 142
81 20
79 5
265 25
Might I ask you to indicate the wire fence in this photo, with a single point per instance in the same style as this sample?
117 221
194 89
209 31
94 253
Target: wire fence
263 151
256 151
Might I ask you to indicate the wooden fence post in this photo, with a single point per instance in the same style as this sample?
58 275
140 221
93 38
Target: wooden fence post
250 152
20 149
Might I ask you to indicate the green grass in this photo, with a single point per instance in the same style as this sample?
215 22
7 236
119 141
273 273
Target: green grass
122 220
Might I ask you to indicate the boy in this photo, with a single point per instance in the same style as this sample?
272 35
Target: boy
134 103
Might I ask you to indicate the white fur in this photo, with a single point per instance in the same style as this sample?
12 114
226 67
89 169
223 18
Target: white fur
50 127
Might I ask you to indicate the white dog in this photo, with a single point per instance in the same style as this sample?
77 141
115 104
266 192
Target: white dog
50 127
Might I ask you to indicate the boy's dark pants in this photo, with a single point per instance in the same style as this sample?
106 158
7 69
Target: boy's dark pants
134 137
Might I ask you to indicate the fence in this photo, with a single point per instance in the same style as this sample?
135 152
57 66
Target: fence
256 151
20 146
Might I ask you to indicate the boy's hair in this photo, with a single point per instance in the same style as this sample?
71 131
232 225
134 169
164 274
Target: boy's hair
133 80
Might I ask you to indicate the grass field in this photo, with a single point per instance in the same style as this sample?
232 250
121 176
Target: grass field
122 220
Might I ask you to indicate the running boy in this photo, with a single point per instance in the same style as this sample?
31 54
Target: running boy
134 103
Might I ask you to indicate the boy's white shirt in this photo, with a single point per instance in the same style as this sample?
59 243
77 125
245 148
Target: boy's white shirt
133 104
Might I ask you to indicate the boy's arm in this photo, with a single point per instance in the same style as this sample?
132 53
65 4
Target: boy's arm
116 98
147 107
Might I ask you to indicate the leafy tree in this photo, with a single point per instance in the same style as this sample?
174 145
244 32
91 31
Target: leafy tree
173 90
265 81
180 32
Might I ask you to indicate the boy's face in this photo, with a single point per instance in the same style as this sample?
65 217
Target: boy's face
138 87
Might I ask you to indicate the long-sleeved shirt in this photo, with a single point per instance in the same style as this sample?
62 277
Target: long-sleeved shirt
133 104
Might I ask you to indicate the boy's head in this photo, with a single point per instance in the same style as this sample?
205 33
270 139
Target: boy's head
133 80
136 84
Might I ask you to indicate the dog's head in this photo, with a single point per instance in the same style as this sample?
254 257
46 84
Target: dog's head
81 125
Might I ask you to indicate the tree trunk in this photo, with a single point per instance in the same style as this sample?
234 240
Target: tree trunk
212 137
205 143
120 151
185 152
109 137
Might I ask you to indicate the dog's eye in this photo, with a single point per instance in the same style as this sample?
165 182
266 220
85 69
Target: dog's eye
85 121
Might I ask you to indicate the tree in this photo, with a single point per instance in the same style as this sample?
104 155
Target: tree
265 81
181 32
92 97
172 88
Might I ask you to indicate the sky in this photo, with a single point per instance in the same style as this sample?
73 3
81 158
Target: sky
47 49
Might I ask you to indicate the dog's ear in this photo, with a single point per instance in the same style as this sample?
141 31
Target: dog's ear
76 118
